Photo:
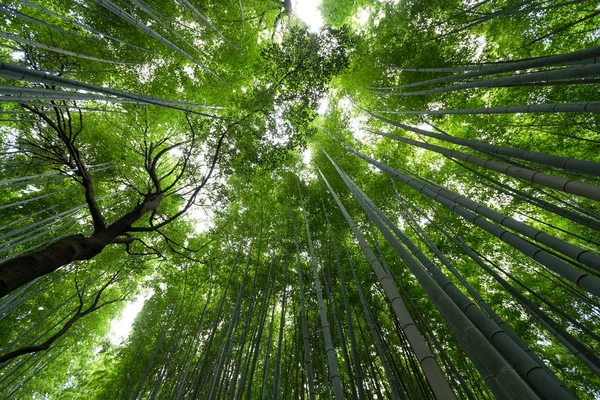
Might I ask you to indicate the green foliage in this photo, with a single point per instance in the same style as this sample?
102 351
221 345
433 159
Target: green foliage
258 84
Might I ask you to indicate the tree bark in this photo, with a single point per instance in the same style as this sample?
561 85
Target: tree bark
21 270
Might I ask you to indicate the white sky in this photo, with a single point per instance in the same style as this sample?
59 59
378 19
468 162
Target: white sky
323 105
120 328
308 11
362 17
306 156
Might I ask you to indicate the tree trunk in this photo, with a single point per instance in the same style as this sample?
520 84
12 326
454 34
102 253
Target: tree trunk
580 107
434 374
19 271
575 73
329 349
453 315
565 163
307 357
581 279
587 56
555 182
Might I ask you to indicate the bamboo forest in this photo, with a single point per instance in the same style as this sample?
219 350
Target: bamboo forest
300 199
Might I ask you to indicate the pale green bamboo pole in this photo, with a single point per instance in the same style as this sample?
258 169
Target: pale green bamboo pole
530 367
277 377
47 315
566 163
577 217
581 351
19 297
235 376
587 56
190 7
554 308
297 357
18 371
566 185
503 11
428 363
451 365
42 366
307 357
329 288
34 178
379 346
255 347
353 344
16 72
585 257
36 93
562 268
24 17
267 354
417 376
422 321
150 363
202 375
233 323
28 200
38 45
180 387
374 376
482 303
325 386
574 73
110 6
486 353
176 332
43 231
62 106
577 107
180 324
329 349
79 24
53 96
198 381
46 242
41 224
156 16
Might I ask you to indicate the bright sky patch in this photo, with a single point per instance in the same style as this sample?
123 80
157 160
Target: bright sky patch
308 11
121 328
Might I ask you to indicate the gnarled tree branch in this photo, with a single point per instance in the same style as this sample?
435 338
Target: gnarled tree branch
79 313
